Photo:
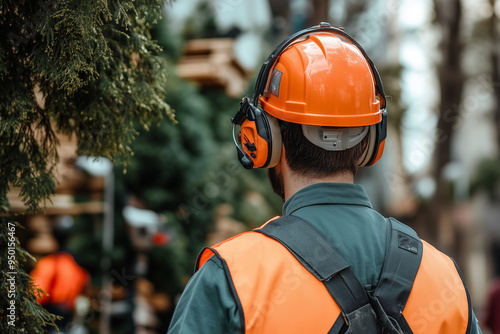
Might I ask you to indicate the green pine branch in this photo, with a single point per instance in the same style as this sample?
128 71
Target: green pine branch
19 309
99 72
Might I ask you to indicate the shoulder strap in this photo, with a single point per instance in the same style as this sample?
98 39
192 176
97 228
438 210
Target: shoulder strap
401 264
316 253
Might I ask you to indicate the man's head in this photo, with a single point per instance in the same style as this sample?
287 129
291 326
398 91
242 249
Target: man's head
322 101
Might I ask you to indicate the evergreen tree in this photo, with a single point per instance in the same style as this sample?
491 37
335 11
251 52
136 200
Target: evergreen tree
185 171
97 70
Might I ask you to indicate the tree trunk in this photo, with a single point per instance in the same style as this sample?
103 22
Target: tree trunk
495 69
281 17
320 12
448 15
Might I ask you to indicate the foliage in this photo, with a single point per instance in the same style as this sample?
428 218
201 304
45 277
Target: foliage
487 177
96 67
18 299
87 69
185 170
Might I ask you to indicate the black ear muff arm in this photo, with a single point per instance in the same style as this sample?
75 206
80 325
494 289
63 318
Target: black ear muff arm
246 111
241 115
383 126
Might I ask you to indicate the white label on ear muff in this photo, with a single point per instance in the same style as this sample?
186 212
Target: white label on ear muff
334 139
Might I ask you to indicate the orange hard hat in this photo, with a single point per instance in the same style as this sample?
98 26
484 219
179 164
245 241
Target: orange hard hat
322 80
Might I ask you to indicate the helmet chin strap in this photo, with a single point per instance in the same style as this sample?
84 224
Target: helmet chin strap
334 139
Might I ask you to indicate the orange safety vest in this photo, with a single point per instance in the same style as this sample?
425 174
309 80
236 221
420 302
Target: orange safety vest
278 294
61 278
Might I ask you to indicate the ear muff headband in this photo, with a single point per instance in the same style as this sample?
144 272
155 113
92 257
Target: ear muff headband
262 79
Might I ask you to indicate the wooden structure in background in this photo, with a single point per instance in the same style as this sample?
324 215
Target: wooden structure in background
76 193
211 63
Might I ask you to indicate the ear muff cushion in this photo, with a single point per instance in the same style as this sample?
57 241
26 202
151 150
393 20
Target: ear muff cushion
367 155
376 142
276 142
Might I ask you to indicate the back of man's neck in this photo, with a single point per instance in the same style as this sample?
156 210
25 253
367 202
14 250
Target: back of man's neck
294 182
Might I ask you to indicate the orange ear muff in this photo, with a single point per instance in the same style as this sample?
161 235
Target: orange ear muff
259 137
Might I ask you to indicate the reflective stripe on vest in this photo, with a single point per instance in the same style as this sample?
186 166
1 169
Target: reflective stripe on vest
278 295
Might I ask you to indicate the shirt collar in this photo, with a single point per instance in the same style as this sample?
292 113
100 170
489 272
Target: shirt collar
327 193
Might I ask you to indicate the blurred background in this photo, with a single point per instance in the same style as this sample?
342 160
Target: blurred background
136 229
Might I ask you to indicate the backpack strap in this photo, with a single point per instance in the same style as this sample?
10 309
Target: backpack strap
401 264
317 254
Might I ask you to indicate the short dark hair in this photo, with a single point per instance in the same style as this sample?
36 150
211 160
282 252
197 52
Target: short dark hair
307 159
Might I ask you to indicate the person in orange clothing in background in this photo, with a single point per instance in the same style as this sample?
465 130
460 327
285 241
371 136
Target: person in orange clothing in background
60 276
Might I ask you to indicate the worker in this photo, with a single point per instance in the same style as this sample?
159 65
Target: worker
330 264
61 278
